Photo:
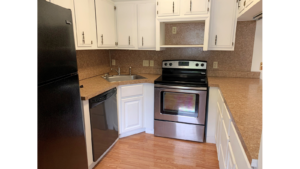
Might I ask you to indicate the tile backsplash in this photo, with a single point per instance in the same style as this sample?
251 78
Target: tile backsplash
186 33
235 63
92 63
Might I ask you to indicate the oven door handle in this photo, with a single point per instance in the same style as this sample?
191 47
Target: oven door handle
180 87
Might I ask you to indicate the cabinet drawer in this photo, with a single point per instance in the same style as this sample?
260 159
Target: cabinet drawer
238 150
226 118
132 90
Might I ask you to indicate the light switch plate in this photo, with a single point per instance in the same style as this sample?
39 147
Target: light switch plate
174 29
151 62
145 62
113 62
215 66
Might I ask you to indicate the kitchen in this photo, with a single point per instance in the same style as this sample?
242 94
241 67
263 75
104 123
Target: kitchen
149 84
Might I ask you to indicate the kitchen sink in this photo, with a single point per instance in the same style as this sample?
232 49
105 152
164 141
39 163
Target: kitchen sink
117 78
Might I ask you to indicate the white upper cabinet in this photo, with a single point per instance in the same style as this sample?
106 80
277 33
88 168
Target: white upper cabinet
222 25
195 7
241 6
83 24
106 27
248 2
126 25
63 3
167 7
146 25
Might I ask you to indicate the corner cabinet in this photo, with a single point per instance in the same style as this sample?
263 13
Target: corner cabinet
223 22
106 27
135 109
126 14
132 113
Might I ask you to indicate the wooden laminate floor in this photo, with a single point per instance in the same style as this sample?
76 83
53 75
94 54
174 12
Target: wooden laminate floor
146 151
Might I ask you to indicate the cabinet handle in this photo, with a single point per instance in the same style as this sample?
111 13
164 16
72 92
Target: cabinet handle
129 40
83 41
190 5
173 6
142 41
244 3
91 42
216 38
102 39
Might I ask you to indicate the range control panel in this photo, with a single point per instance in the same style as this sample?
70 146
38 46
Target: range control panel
179 64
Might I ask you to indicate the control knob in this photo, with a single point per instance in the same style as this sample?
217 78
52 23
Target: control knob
170 64
202 64
197 64
166 64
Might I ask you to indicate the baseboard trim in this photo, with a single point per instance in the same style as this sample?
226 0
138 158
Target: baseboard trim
129 133
210 139
150 131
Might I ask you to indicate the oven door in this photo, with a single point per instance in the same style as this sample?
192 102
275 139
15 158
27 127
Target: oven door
180 105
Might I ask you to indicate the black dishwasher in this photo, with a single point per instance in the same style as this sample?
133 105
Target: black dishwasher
104 122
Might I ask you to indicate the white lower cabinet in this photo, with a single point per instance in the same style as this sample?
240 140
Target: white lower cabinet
135 109
231 164
231 154
132 114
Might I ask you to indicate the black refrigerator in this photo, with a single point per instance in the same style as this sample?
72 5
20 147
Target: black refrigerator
61 139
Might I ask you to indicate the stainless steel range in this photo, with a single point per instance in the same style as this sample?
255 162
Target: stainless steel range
180 100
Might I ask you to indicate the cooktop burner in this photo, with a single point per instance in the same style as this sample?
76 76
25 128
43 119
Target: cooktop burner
183 73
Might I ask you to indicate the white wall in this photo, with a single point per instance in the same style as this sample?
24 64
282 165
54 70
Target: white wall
257 49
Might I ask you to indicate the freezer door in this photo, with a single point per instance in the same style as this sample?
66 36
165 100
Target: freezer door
56 47
61 139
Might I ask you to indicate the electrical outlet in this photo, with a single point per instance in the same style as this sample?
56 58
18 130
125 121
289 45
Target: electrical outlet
113 62
215 66
151 62
174 30
145 62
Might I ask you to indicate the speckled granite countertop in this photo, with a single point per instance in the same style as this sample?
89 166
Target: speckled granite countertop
97 85
243 98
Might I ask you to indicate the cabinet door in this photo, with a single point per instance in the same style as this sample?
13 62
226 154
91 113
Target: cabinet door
231 164
248 2
132 114
238 150
106 28
167 7
126 25
223 143
83 25
222 25
63 3
196 7
146 25
241 6
218 139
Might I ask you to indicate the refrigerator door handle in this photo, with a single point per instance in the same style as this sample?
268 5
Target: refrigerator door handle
68 22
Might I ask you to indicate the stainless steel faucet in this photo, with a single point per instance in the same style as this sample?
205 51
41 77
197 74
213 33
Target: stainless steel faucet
118 71
129 70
